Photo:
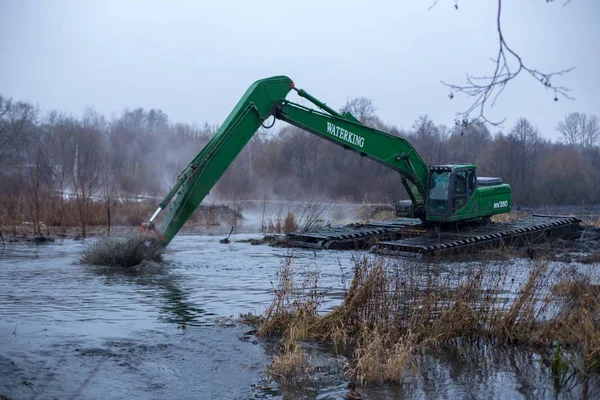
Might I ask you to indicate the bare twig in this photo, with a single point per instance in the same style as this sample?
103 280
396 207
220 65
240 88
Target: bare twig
486 89
433 5
564 4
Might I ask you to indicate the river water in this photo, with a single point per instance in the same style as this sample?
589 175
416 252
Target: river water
70 331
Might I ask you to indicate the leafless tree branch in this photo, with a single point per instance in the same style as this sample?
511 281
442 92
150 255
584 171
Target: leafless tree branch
486 89
433 5
564 4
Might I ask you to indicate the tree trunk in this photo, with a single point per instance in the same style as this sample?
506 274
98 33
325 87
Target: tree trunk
82 216
108 216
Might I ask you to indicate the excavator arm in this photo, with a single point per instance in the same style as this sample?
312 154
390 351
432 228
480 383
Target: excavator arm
392 151
266 98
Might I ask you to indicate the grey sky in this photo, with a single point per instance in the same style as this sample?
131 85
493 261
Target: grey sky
194 59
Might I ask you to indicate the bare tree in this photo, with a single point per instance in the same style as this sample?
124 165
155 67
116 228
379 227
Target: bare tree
430 140
363 109
569 178
88 168
526 137
590 133
62 131
109 196
466 142
579 129
569 128
15 117
36 177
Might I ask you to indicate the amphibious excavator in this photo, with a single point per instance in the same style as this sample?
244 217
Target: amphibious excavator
439 194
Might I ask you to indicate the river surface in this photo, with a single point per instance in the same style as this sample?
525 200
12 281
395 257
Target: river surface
71 331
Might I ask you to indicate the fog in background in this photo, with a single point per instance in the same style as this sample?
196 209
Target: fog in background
194 59
103 104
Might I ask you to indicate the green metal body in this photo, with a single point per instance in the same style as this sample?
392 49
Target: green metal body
483 202
266 98
195 182
392 151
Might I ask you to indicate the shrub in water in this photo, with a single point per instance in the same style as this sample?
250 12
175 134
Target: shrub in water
122 252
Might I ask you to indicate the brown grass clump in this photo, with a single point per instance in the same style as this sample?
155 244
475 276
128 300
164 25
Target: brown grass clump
289 223
394 311
291 314
293 361
379 358
295 302
509 217
250 319
122 252
576 322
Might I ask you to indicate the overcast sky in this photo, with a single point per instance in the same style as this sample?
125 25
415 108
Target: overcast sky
194 59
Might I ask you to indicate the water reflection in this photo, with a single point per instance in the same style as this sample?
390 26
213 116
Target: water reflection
479 370
157 282
179 309
497 370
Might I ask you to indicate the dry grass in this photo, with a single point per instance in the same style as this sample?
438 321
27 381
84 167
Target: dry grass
380 358
291 314
379 212
295 301
299 217
577 319
289 223
293 361
122 252
250 319
509 217
60 220
394 311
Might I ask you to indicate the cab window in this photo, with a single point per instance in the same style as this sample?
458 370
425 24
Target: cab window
460 190
472 182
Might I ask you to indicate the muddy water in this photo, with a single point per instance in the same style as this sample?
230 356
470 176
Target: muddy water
70 331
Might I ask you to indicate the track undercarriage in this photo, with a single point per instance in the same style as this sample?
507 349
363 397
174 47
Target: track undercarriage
408 237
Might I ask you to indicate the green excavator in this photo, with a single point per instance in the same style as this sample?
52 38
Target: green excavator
439 194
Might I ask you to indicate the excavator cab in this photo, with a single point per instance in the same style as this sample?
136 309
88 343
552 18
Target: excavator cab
450 189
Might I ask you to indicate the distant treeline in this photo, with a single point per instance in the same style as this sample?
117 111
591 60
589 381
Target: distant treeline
53 164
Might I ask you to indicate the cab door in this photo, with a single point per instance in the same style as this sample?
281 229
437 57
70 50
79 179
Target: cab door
463 187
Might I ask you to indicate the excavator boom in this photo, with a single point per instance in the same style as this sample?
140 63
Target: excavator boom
195 182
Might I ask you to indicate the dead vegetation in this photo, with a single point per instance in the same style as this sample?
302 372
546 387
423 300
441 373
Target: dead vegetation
299 217
509 217
122 252
375 212
289 224
395 311
125 215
